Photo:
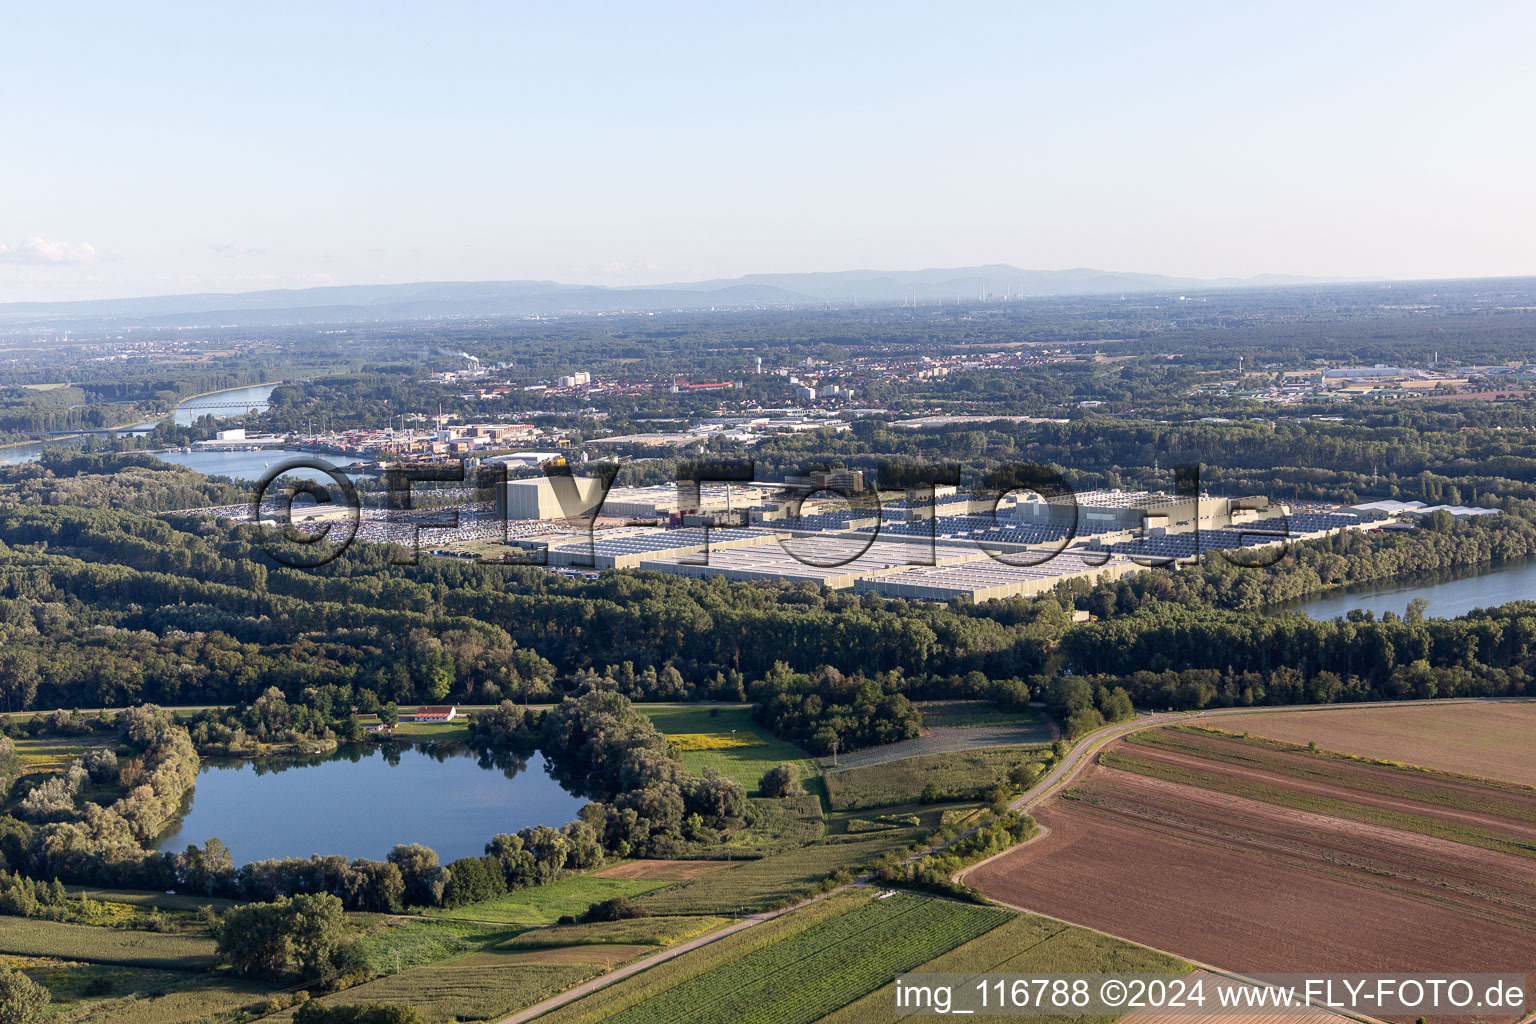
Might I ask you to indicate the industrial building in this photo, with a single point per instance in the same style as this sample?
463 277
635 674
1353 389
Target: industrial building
538 498
955 546
836 562
987 579
1419 508
629 548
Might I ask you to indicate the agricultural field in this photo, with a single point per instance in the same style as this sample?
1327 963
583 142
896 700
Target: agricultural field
169 902
1492 740
799 980
1494 816
483 986
663 870
1024 944
769 881
941 740
641 931
35 937
472 970
43 755
1256 856
545 904
114 994
863 942
786 823
984 714
961 775
707 742
392 944
636 990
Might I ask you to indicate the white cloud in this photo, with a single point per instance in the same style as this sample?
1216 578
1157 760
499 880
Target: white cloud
37 250
232 249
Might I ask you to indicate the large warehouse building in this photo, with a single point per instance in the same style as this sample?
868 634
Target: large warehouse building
950 551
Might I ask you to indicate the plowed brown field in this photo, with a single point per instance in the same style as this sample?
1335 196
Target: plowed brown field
1243 872
1487 740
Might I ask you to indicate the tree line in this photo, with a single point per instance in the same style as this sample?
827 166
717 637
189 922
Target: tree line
645 804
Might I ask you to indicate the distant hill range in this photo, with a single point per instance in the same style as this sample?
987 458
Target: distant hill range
492 298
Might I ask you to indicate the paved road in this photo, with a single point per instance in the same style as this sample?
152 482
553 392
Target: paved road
1059 777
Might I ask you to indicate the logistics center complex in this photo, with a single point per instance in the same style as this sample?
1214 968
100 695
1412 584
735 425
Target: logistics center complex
937 546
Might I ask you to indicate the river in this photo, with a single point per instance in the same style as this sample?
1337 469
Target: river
1450 593
240 465
218 404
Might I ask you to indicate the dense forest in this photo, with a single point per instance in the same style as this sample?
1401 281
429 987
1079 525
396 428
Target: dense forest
102 606
106 599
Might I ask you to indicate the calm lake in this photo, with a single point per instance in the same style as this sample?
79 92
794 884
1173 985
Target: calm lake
1449 593
365 798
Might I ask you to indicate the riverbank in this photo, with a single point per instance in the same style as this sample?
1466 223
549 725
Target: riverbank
1450 592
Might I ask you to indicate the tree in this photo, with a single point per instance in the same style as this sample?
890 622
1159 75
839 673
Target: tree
781 782
472 879
1414 613
22 1000
266 940
389 714
1114 704
423 875
18 676
619 908
254 940
206 870
314 1012
436 672
1082 722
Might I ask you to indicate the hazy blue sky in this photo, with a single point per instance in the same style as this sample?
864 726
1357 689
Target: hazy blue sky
151 148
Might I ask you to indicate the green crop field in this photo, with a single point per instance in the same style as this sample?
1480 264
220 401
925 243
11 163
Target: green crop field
744 764
394 944
1024 944
646 931
802 978
42 754
960 775
167 901
32 937
636 990
783 824
769 881
545 904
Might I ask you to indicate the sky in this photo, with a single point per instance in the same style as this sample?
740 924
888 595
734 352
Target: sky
156 149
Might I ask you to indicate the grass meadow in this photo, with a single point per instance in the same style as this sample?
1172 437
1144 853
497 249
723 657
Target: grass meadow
961 775
745 764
